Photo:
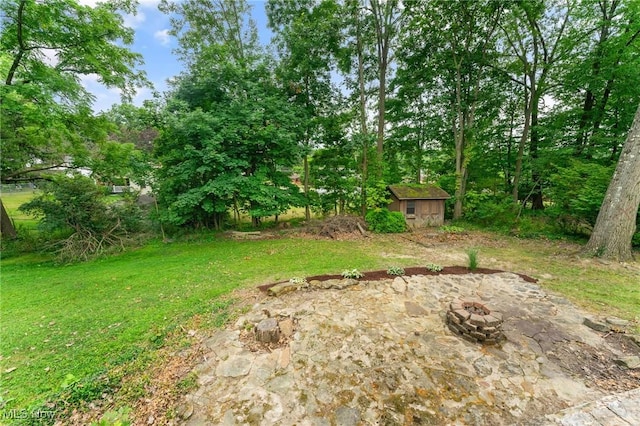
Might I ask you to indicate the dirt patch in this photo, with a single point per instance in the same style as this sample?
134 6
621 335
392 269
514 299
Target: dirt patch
596 366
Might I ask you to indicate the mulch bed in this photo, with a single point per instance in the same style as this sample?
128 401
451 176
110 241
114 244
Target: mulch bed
383 275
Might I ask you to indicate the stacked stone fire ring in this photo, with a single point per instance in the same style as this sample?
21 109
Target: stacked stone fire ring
474 321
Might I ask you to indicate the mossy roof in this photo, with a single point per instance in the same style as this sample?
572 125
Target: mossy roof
418 192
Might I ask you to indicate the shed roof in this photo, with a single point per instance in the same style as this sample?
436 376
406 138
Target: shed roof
418 192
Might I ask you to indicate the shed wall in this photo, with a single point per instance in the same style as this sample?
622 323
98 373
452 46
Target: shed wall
428 212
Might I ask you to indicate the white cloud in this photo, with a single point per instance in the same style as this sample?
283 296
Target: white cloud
134 21
163 37
143 3
148 3
50 56
91 3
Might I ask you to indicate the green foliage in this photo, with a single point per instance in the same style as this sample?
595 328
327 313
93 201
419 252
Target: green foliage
452 229
75 391
383 221
45 110
119 417
228 151
395 270
433 267
378 196
577 192
352 273
472 254
486 209
333 172
77 209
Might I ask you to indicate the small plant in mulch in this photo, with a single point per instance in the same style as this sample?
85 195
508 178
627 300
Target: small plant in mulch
395 270
298 280
473 259
352 273
434 267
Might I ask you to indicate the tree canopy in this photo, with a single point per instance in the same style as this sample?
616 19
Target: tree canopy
508 105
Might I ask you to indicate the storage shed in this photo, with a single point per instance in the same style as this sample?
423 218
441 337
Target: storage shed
422 205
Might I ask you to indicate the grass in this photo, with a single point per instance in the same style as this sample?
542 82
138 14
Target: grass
13 200
64 327
81 320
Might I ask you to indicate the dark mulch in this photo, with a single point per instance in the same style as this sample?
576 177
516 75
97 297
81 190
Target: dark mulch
382 274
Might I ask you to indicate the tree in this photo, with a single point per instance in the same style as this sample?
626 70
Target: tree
386 18
539 36
45 112
609 68
457 60
307 40
616 222
229 141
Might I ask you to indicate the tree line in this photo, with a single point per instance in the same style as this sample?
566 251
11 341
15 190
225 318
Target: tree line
511 107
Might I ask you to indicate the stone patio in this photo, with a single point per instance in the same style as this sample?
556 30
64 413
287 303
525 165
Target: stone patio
380 353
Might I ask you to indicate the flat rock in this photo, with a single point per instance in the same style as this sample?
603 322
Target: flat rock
286 327
618 322
399 285
596 325
346 416
414 310
376 354
631 362
283 288
237 366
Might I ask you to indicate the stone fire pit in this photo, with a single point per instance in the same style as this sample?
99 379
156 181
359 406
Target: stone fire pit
474 321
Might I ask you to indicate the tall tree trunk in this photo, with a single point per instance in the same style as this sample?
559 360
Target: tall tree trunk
383 18
536 192
363 119
6 225
616 223
523 139
307 209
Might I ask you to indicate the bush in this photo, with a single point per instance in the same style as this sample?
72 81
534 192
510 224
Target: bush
383 221
77 211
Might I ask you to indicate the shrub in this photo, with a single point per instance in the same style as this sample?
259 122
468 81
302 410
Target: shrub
77 210
383 221
353 273
434 267
452 229
395 270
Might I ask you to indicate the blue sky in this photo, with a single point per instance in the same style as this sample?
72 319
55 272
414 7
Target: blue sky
153 42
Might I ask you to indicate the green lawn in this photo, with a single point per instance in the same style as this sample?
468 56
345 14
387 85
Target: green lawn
81 319
65 323
13 200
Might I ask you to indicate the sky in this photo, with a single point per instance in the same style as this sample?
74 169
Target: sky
153 41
